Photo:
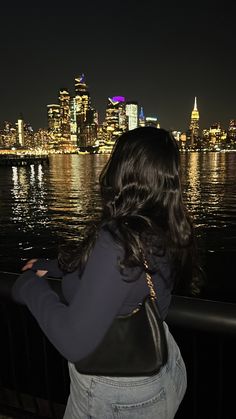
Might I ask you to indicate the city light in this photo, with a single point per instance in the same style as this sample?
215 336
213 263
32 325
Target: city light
74 127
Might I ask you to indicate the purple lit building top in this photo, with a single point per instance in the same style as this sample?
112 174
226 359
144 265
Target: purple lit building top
118 99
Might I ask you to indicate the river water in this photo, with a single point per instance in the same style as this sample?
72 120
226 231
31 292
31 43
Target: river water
41 206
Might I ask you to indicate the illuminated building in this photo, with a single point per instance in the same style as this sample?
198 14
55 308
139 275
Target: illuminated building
217 136
42 139
73 122
215 130
177 135
84 117
54 123
151 121
25 134
194 123
182 140
8 135
232 129
141 120
115 120
88 133
82 99
64 101
29 136
20 131
131 110
96 117
206 137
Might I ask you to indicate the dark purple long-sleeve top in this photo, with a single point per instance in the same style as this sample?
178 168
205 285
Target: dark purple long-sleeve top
93 300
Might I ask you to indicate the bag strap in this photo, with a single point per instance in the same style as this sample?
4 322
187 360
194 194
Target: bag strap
150 283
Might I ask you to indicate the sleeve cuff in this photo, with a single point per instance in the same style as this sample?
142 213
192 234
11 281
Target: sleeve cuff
49 265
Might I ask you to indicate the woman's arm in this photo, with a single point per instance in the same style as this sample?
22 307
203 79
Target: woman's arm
49 265
77 329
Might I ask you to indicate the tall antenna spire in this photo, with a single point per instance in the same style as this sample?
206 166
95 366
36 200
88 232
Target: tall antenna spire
195 104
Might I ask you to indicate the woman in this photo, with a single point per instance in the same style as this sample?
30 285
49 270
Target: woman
142 216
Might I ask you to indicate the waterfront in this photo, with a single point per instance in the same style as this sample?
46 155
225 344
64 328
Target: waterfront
43 205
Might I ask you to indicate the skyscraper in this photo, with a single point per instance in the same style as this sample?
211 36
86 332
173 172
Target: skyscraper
115 119
20 130
131 110
73 122
86 116
64 101
232 129
152 121
194 123
9 135
141 120
82 99
54 123
53 117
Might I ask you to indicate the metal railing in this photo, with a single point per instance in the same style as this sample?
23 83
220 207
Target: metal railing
34 380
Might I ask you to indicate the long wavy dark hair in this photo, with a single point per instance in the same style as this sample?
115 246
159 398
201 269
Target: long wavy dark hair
142 205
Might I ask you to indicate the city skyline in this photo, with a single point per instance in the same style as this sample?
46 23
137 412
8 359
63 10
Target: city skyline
101 115
159 55
188 123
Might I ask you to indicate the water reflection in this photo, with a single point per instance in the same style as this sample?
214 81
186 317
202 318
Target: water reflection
65 196
209 189
32 174
74 192
40 175
28 198
42 205
191 181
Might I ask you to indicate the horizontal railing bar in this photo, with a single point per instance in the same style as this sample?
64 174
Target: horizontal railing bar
185 312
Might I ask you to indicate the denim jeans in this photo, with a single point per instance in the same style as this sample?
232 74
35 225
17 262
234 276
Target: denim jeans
157 396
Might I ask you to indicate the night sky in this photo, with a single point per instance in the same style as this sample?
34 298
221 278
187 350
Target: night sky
161 54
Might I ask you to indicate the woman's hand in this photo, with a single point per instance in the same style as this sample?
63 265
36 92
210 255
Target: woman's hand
29 264
41 273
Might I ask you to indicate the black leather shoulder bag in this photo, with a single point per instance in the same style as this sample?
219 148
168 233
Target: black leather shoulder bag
134 345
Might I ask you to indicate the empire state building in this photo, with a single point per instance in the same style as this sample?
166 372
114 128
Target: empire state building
194 123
